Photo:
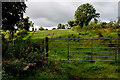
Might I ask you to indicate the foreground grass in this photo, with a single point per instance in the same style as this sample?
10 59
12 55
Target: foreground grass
70 70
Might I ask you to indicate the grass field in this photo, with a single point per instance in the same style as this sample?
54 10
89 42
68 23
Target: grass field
77 69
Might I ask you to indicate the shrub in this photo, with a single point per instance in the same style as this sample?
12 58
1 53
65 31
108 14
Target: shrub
110 24
103 24
100 34
15 66
89 27
35 57
53 28
46 29
93 26
97 26
19 66
21 33
76 28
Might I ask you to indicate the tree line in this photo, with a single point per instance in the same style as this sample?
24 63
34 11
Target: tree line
83 15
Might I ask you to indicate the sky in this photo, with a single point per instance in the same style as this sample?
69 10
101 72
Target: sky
49 13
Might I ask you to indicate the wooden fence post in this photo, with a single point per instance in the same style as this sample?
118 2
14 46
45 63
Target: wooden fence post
43 46
47 46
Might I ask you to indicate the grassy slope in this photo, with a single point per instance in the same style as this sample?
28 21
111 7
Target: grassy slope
74 69
64 33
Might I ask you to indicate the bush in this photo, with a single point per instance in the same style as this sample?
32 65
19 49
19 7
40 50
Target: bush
53 28
21 33
92 26
110 24
15 66
89 27
25 59
76 28
46 29
103 24
35 57
100 34
97 26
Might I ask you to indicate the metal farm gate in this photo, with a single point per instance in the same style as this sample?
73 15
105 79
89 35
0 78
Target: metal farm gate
91 47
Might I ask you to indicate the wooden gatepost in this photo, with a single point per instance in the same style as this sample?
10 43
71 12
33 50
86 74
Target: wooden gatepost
47 47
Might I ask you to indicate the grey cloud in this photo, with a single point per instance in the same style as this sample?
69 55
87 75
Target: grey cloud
43 22
49 14
108 10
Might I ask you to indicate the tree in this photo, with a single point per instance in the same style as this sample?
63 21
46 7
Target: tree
66 26
59 26
85 13
63 26
95 21
41 28
12 12
25 24
71 22
33 29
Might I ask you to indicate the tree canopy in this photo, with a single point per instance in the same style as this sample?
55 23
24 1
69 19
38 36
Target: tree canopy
25 23
61 26
70 23
85 13
12 12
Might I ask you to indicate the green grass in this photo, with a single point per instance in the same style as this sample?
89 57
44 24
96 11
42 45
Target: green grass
76 69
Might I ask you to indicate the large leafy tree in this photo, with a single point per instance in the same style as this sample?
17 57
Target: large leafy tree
85 13
12 12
